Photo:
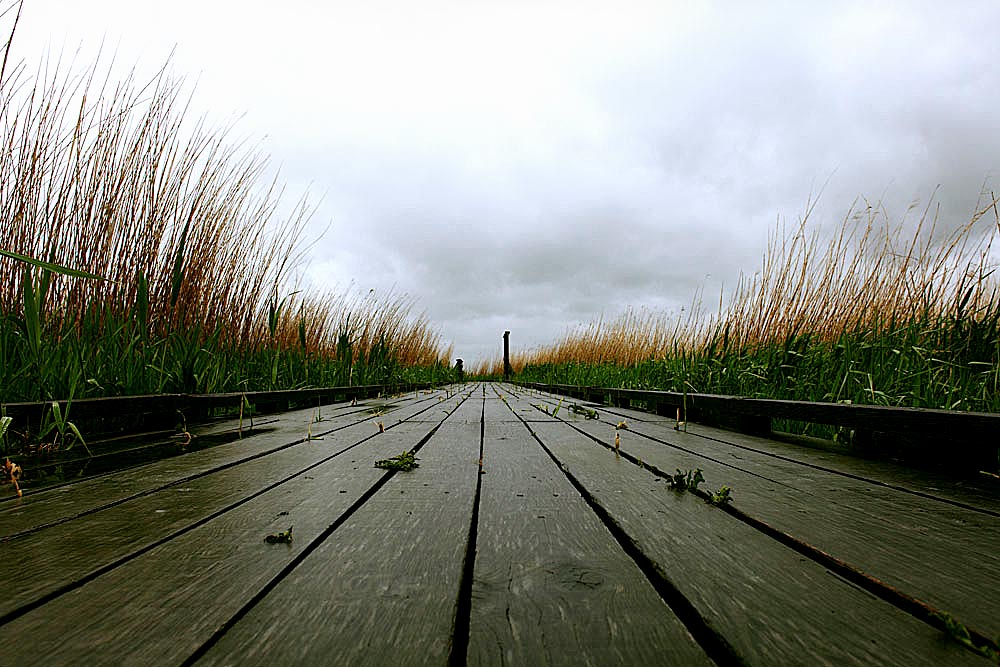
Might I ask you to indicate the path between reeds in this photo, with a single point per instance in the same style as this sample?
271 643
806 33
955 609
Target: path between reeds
525 536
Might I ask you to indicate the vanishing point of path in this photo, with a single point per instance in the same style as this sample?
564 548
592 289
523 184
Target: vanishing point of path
524 537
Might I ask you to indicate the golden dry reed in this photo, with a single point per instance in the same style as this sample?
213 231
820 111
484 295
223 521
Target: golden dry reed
182 220
869 276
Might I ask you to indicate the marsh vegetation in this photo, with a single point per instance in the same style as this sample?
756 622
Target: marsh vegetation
197 254
879 312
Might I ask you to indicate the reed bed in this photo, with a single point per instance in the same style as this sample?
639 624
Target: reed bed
903 314
181 221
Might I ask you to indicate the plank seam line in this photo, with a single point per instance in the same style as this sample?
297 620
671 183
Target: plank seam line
710 640
189 478
94 574
458 655
683 449
860 478
917 608
306 551
62 485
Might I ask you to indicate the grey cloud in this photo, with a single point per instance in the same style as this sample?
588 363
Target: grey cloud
615 160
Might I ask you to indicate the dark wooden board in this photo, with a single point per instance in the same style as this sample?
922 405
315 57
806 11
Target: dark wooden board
975 489
917 434
45 561
771 604
875 417
434 405
70 500
936 552
162 606
551 585
383 588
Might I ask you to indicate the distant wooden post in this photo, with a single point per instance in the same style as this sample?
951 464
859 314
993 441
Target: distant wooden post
506 356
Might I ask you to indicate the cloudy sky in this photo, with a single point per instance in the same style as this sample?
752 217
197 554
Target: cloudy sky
533 165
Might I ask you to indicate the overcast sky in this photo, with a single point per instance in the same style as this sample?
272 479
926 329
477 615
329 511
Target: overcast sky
532 165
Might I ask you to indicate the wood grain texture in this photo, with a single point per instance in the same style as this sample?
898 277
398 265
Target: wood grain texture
57 504
552 587
936 552
374 573
773 605
974 489
970 437
160 607
383 588
47 560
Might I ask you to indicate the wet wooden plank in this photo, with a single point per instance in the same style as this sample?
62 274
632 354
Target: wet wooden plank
384 588
975 489
771 604
551 584
45 561
934 551
887 419
162 606
45 507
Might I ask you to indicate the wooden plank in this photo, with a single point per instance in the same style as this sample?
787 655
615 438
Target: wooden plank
461 391
384 588
99 416
551 585
517 411
975 490
161 607
53 505
44 562
936 552
771 604
915 432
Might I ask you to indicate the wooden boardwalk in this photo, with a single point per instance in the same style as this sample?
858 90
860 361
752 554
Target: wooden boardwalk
524 537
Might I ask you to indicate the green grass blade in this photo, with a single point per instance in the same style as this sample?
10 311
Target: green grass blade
49 266
177 276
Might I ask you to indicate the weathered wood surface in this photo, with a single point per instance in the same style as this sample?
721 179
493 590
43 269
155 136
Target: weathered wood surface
555 551
551 584
919 421
975 489
772 605
888 525
99 416
383 589
184 497
48 506
913 433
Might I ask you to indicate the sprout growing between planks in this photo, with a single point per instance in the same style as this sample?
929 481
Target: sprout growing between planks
721 497
686 481
284 537
405 462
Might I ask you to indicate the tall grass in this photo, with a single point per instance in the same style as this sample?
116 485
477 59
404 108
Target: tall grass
184 225
884 313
